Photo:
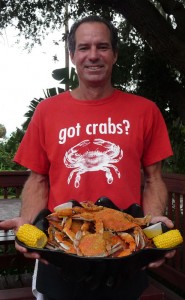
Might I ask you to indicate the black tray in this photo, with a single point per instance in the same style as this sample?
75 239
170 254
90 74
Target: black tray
77 266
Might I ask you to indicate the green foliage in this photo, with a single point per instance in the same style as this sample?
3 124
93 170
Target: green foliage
29 113
67 77
33 104
52 92
33 18
8 149
13 142
127 70
159 82
6 159
2 131
64 76
177 135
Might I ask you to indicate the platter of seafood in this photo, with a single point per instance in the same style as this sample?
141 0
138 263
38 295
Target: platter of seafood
92 230
84 233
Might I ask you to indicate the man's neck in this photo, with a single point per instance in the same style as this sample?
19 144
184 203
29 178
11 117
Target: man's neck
92 93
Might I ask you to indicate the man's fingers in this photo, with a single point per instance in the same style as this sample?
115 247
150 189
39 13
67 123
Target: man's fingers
157 263
32 255
163 219
161 261
170 254
35 255
8 224
20 248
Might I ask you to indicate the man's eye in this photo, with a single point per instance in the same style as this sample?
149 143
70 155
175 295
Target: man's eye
104 47
82 48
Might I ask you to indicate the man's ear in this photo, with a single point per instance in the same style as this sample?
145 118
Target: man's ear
115 56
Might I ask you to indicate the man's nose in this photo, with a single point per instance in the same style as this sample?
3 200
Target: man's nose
93 53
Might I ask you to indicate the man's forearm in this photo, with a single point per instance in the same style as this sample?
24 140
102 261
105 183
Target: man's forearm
155 197
155 193
34 196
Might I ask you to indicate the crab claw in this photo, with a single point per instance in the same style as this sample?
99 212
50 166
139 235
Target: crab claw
101 142
83 143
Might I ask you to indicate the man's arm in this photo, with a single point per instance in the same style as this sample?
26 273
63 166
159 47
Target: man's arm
34 199
34 196
155 193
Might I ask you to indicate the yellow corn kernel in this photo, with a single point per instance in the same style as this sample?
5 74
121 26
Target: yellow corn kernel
31 236
169 239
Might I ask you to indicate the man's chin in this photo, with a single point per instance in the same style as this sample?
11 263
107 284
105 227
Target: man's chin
95 78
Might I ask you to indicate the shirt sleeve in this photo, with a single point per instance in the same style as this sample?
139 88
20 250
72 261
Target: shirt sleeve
157 146
32 152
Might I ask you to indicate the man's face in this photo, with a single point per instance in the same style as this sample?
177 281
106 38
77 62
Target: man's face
93 56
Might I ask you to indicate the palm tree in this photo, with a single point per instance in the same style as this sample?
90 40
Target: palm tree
65 77
30 112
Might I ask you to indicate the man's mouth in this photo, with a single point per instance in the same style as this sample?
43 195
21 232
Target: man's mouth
94 68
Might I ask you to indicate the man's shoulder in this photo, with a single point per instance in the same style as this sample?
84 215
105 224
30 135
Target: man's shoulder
58 97
54 100
134 98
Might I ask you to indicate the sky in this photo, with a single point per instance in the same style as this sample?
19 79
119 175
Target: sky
24 75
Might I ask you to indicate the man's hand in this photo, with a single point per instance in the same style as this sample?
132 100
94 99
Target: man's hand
163 219
169 254
161 261
14 224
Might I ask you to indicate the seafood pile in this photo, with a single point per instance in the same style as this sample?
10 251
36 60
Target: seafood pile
96 231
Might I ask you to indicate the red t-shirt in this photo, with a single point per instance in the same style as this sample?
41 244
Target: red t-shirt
94 148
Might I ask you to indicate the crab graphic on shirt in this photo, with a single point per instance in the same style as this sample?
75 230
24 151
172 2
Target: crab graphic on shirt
102 159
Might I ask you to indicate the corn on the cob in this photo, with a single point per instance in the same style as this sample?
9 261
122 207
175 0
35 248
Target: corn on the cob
31 236
169 239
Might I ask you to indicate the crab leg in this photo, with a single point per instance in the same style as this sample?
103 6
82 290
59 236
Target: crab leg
128 239
67 229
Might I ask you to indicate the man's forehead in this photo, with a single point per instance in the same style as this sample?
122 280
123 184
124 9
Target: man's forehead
87 31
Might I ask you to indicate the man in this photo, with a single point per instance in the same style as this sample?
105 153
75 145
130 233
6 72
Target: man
92 142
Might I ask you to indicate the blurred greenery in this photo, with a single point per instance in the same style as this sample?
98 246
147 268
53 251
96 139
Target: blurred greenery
2 131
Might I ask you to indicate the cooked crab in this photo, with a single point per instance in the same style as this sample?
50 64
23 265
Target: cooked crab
112 219
92 230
